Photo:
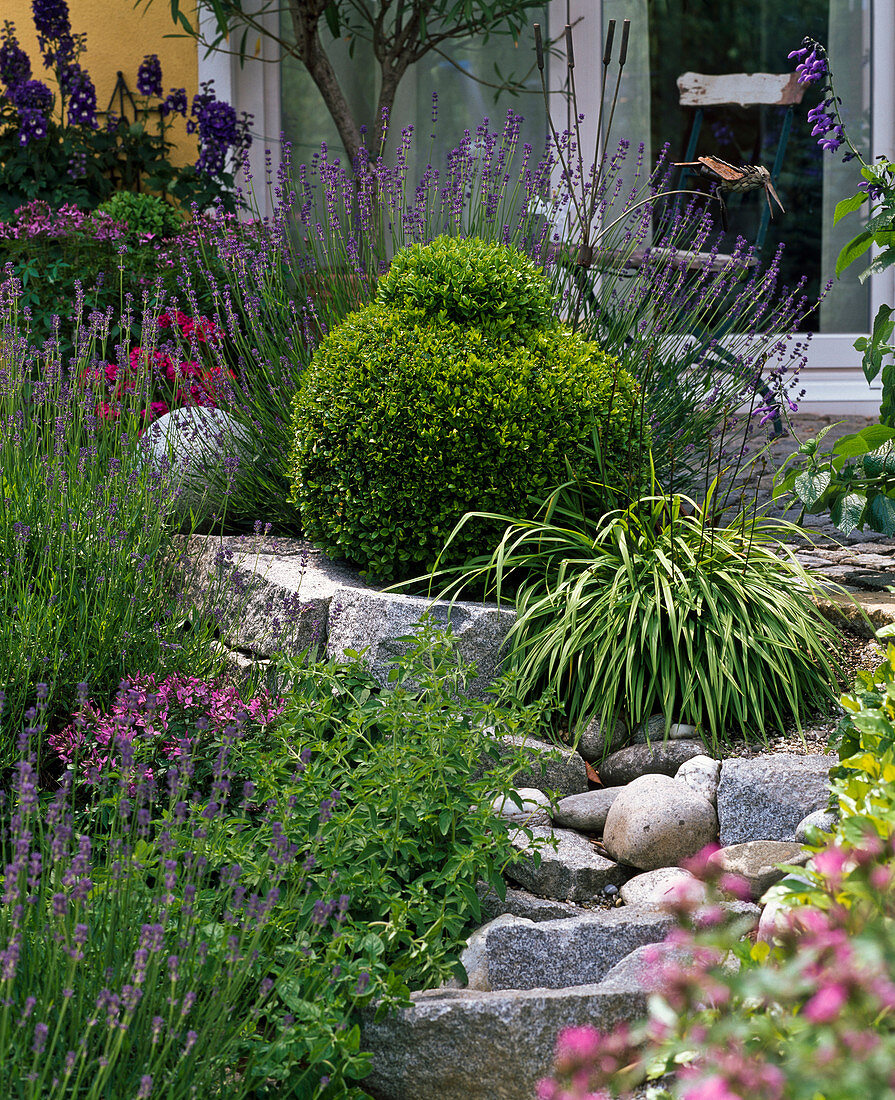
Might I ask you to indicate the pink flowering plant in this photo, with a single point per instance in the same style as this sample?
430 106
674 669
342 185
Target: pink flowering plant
155 717
806 1012
172 376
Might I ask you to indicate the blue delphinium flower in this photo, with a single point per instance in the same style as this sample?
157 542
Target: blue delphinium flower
82 103
51 19
15 65
175 103
217 135
149 76
33 100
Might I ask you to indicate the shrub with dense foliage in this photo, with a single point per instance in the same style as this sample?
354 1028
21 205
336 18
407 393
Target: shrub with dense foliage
145 216
408 418
472 282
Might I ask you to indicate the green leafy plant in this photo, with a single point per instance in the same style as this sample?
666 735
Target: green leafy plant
158 932
404 422
854 481
412 830
652 608
144 215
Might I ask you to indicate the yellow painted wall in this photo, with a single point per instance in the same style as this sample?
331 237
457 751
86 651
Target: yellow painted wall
118 37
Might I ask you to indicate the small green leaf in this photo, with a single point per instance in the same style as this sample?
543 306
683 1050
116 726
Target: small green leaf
846 206
855 248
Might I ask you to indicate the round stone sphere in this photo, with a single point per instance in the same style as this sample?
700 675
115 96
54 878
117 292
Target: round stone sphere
204 447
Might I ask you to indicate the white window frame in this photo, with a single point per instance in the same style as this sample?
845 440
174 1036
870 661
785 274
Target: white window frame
833 379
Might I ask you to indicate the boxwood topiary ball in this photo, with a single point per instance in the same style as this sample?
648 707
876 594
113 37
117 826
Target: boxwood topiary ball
470 281
403 425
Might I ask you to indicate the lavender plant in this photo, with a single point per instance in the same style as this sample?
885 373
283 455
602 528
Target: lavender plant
161 940
334 234
90 589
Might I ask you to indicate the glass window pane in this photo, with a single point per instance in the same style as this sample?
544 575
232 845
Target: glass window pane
462 101
729 36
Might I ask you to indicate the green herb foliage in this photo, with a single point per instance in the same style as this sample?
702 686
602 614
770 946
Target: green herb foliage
412 831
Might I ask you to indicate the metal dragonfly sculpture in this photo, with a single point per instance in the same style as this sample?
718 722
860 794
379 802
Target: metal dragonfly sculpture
731 180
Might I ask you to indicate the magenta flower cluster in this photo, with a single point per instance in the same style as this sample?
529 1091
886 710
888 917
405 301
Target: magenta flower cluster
815 1008
154 720
37 219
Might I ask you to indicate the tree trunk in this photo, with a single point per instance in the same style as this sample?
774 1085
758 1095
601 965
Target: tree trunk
305 23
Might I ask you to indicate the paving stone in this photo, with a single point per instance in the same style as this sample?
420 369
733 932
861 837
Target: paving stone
573 871
465 1045
521 903
523 954
766 797
663 758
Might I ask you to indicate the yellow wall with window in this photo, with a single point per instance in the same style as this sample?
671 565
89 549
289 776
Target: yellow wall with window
118 38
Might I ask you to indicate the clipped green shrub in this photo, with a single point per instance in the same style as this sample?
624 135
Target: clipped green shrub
144 215
404 424
470 282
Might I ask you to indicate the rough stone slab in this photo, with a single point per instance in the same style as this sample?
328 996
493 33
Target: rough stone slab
660 758
862 612
586 811
573 871
465 1045
555 770
766 797
523 954
373 621
520 903
284 594
272 593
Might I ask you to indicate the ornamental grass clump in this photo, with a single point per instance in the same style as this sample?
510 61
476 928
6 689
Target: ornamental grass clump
161 936
651 608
